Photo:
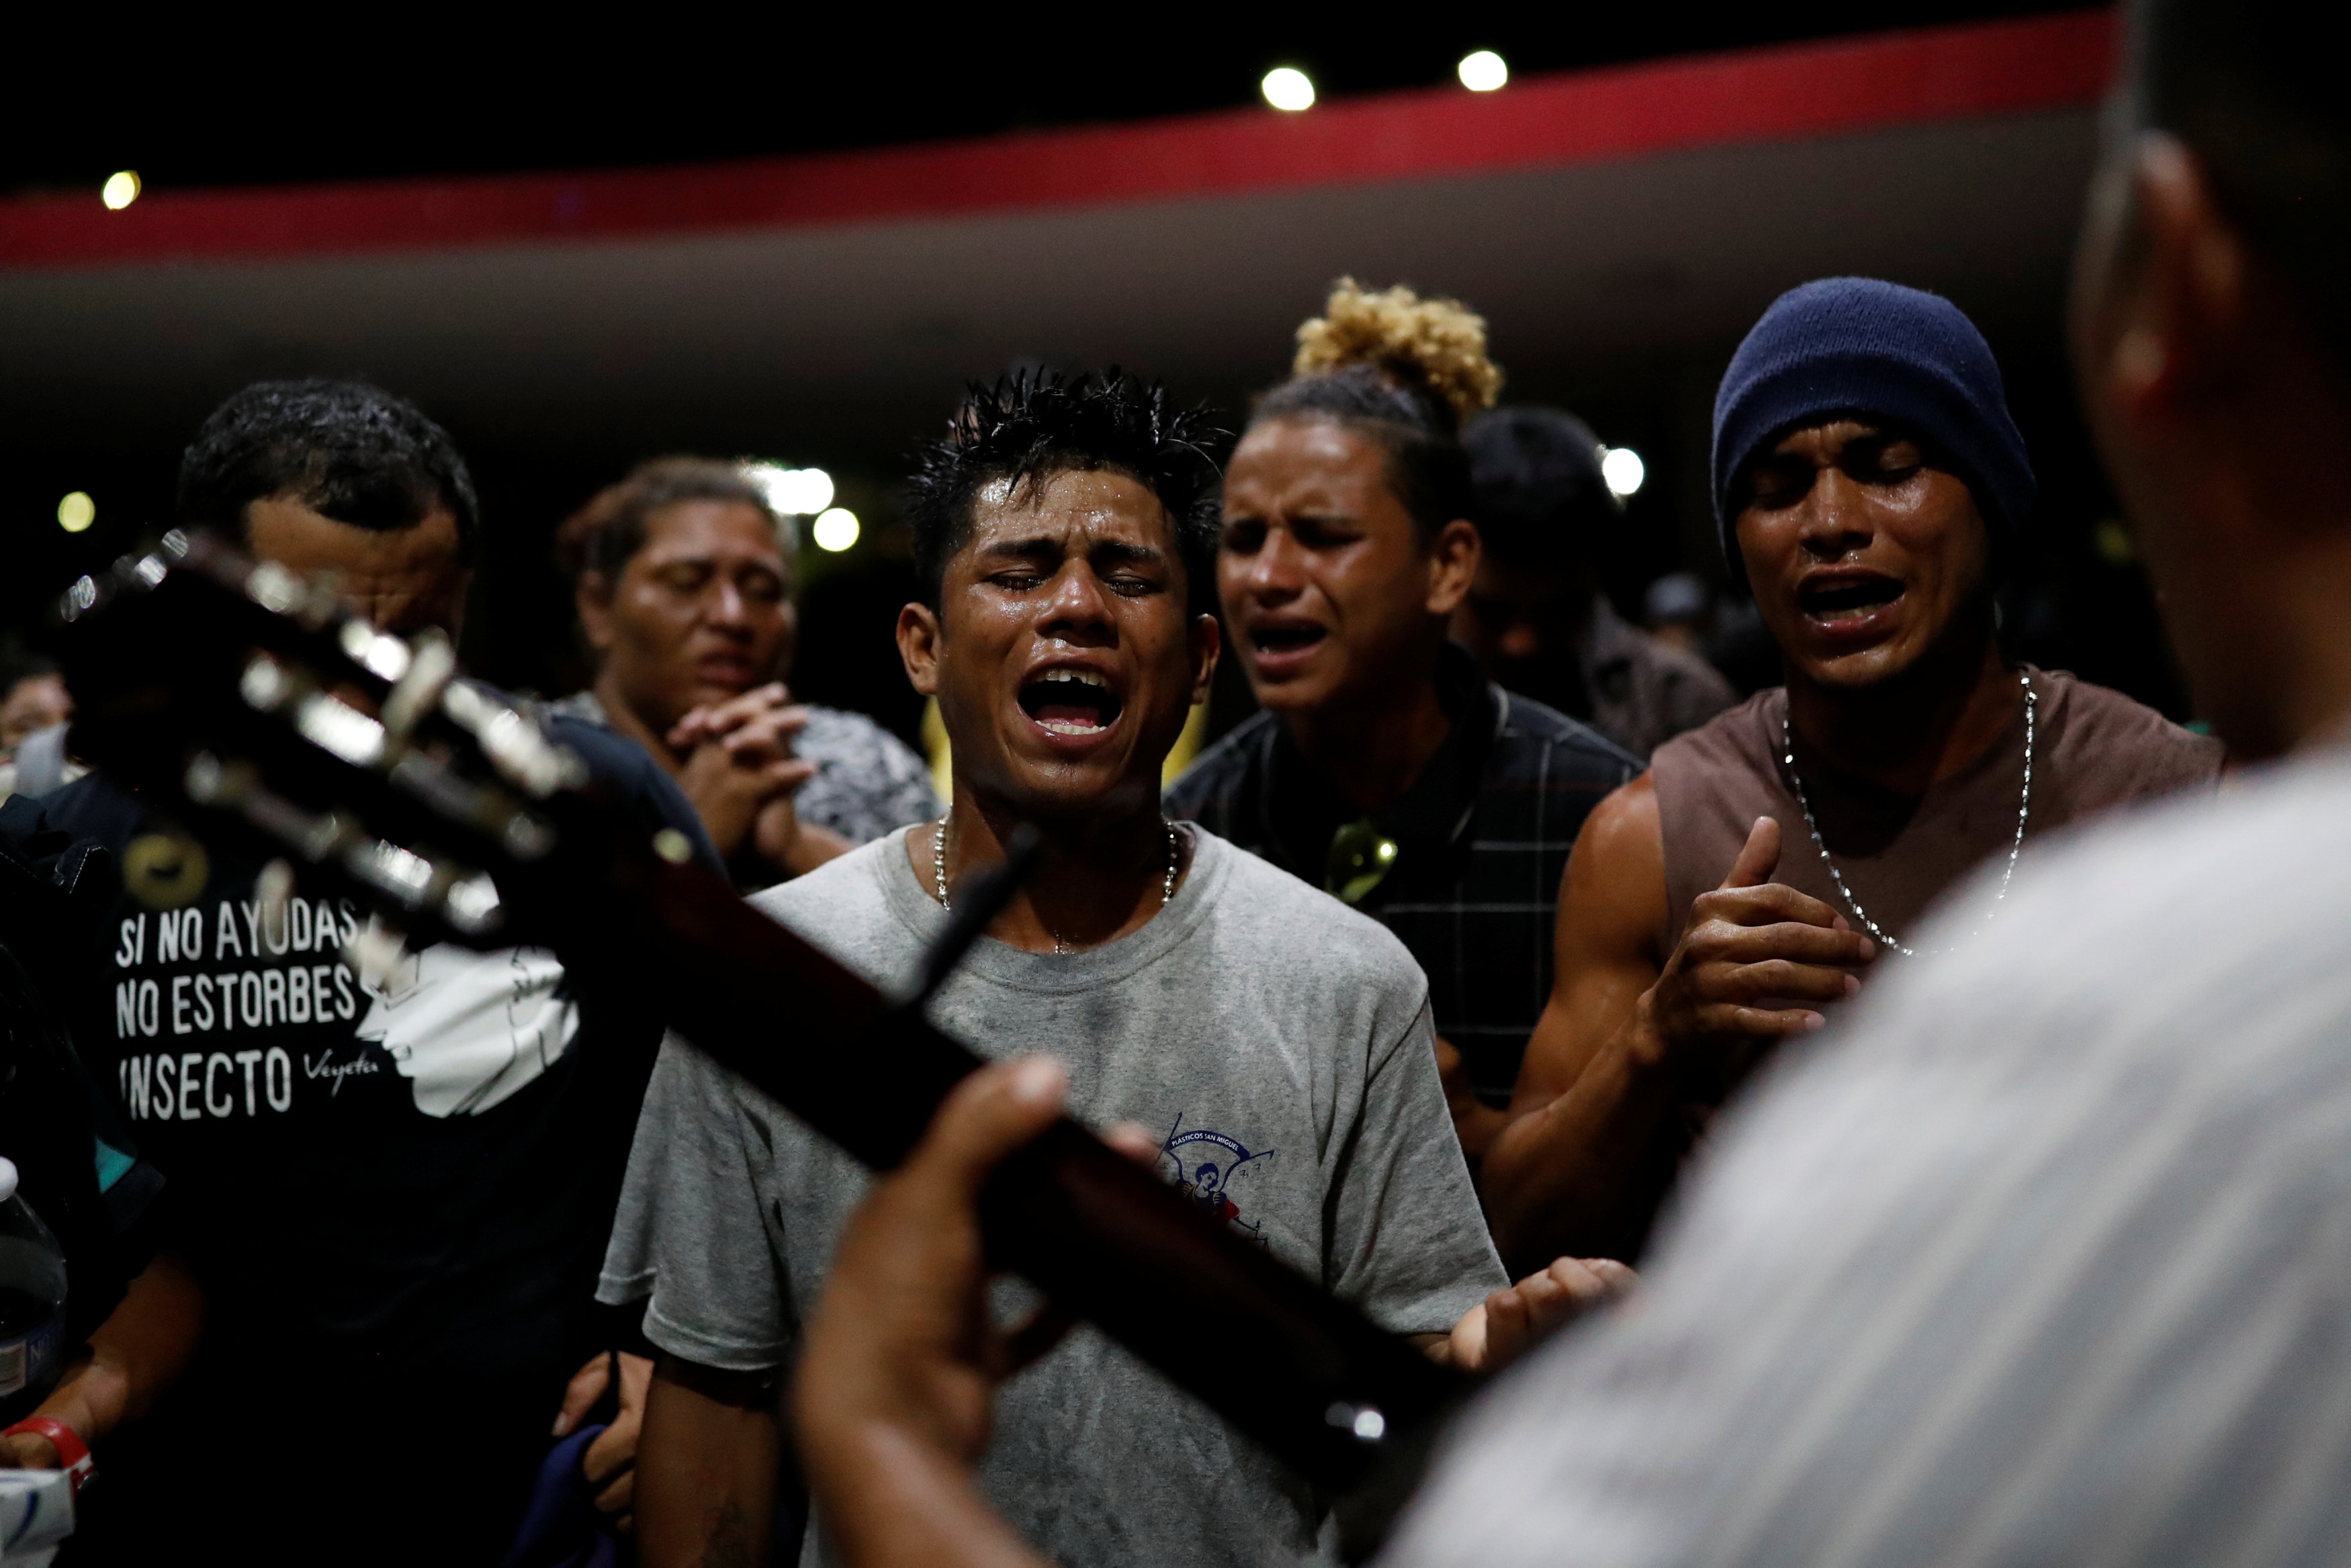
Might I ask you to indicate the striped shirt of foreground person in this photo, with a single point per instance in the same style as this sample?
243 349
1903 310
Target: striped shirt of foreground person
2043 1255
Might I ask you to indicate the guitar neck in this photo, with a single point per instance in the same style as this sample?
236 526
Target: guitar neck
244 699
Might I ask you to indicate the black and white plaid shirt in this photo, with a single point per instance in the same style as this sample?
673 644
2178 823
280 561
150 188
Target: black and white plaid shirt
1482 838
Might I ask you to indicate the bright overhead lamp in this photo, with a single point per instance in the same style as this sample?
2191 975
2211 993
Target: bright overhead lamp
792 492
1483 72
835 529
1621 470
1287 89
76 512
121 189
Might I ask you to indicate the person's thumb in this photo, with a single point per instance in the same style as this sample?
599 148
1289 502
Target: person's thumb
580 1396
1757 857
989 1114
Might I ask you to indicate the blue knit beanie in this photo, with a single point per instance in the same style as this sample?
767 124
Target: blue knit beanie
1857 346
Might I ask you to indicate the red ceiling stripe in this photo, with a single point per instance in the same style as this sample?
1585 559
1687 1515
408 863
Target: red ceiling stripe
1782 93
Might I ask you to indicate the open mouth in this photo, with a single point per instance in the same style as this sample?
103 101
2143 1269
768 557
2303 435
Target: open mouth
1071 702
1847 598
723 671
1285 638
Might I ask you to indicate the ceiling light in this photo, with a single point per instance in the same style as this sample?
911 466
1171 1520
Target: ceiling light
76 512
1483 72
792 492
808 492
121 189
1622 468
1286 88
836 529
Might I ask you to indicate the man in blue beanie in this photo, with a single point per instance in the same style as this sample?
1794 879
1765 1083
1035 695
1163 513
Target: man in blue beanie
1871 489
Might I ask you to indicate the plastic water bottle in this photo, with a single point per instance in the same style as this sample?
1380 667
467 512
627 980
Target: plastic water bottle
32 1303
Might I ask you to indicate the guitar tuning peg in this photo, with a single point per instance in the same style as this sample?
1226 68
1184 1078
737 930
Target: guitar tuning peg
275 889
380 653
374 951
514 743
425 669
288 593
472 905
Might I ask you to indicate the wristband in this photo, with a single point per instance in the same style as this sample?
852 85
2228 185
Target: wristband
73 1454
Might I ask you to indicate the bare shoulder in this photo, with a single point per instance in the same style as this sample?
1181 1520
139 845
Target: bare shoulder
1612 907
1627 816
1613 898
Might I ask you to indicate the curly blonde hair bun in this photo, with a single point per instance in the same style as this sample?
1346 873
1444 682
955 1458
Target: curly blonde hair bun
1438 346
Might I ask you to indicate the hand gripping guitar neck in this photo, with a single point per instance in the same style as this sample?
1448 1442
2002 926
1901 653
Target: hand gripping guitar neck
241 692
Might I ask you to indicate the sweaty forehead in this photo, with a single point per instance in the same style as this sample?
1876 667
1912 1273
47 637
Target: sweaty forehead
1097 502
1314 463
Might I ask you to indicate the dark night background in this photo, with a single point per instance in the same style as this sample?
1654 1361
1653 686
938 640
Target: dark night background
189 104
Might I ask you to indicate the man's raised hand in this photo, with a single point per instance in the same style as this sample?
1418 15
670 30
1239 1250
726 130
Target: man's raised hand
1756 952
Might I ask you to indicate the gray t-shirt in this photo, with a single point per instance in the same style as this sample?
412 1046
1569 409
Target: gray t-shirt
1278 1041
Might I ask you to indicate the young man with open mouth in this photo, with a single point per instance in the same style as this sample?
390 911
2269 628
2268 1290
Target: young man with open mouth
1275 1045
1382 766
1870 486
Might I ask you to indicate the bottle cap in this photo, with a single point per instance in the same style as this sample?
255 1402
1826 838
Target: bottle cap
7 1180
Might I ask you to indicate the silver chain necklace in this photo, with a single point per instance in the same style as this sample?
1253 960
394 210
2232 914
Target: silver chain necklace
939 872
2016 848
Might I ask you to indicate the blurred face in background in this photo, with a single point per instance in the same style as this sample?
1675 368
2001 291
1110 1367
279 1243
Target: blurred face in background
1863 556
702 613
401 580
1063 653
36 703
1329 595
1523 620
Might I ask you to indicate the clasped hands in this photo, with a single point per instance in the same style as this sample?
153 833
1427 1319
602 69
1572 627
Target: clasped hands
740 771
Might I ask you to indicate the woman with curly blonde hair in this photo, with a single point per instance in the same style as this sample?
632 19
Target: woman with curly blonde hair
1383 768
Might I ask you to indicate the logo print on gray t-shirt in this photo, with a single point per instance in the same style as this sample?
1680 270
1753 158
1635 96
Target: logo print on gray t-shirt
1209 1168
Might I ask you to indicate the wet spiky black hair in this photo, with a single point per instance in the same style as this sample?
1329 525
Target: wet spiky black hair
1033 425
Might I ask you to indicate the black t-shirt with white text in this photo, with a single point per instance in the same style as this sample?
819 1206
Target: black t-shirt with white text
401 1178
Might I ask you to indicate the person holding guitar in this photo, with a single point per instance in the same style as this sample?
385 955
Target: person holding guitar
1275 1044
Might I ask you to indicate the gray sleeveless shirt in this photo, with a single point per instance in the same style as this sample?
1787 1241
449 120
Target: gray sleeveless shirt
2094 749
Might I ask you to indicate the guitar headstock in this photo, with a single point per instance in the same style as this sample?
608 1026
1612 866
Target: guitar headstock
242 695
